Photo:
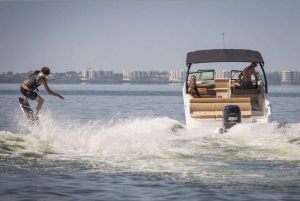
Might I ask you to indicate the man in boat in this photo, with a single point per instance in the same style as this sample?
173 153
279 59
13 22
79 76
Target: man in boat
32 83
245 76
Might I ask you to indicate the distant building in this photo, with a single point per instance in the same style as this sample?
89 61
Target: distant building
131 74
222 73
289 76
139 74
177 75
106 74
126 74
88 74
91 74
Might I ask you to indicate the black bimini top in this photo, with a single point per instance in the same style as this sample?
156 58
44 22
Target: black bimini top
223 55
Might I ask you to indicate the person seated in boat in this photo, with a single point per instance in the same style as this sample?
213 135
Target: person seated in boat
193 77
245 76
193 90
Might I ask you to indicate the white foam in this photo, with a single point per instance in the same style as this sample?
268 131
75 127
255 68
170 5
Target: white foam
150 144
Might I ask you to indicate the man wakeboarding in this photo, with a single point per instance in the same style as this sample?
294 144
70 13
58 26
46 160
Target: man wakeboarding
32 83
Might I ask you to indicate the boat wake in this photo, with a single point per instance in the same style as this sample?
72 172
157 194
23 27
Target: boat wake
143 144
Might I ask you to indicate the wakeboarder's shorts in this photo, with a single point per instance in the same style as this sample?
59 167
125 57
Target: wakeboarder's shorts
29 94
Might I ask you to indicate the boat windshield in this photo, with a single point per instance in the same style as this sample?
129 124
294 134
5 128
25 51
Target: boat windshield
235 74
203 75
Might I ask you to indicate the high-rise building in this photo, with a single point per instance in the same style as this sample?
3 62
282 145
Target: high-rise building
131 74
126 74
88 74
177 75
222 73
289 76
91 74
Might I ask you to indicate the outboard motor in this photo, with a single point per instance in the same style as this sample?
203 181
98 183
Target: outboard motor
231 116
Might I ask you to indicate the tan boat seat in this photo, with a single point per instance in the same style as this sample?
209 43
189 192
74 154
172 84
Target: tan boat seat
255 97
204 114
213 107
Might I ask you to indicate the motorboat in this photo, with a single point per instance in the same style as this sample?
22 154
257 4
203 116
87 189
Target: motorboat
223 103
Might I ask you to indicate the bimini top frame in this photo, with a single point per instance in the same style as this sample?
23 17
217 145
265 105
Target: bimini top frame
224 55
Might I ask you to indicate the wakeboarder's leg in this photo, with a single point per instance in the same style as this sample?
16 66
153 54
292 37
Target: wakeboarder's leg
25 100
40 101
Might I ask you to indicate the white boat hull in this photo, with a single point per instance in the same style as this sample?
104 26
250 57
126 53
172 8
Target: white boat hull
215 124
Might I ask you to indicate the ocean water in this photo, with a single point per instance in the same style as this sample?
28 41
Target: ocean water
128 142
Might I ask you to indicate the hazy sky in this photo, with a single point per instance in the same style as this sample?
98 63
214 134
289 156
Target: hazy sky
145 34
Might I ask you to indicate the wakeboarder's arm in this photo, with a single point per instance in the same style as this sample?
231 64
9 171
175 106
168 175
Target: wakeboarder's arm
43 81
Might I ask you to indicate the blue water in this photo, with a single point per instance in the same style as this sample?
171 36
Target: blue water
128 142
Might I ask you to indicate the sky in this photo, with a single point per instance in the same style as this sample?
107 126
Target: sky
145 34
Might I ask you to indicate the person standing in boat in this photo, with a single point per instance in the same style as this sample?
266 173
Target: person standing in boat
32 83
245 76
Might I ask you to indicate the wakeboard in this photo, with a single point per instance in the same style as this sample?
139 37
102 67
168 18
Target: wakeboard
27 111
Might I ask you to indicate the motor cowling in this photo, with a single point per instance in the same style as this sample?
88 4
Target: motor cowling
231 116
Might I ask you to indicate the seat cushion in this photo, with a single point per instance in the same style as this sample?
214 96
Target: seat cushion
246 114
203 114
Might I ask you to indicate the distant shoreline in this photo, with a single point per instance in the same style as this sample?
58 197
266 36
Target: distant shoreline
130 83
103 82
19 80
